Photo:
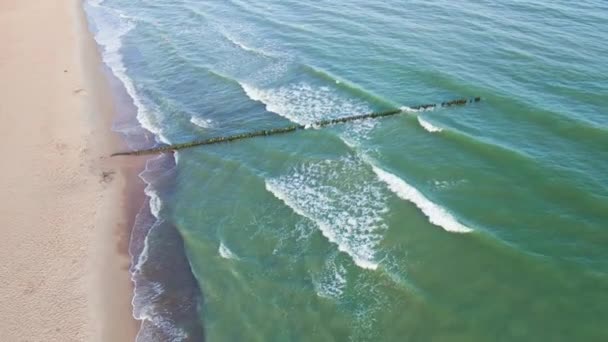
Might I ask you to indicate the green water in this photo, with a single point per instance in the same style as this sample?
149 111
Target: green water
487 222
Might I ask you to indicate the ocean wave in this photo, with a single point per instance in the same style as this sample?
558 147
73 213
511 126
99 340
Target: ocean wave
436 214
348 216
237 42
225 252
201 122
305 104
155 202
428 126
111 26
348 87
362 257
338 197
417 110
232 35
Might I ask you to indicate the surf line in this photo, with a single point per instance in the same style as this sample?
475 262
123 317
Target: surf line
292 128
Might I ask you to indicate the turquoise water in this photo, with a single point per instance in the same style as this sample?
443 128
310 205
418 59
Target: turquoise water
487 222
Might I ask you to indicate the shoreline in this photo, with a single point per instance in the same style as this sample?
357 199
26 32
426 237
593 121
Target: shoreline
113 285
68 209
164 293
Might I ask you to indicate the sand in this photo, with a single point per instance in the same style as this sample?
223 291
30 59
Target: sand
64 213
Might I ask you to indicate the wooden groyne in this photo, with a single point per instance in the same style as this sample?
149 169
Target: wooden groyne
292 128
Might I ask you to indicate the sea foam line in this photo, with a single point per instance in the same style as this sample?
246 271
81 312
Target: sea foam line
111 26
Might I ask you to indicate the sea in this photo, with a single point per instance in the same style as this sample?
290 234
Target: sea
484 222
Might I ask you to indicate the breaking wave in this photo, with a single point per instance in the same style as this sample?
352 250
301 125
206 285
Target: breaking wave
225 252
428 126
332 209
349 214
436 214
303 103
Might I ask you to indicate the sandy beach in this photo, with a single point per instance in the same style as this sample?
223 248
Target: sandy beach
64 214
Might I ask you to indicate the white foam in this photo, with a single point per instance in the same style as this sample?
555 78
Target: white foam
437 215
303 103
201 122
409 110
304 230
419 110
356 132
306 104
225 252
144 255
155 202
332 282
338 197
112 25
325 228
428 126
354 221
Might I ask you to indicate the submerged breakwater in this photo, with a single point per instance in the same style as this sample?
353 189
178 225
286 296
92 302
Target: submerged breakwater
477 223
293 128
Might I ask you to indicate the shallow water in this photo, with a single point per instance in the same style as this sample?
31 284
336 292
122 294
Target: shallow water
479 223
